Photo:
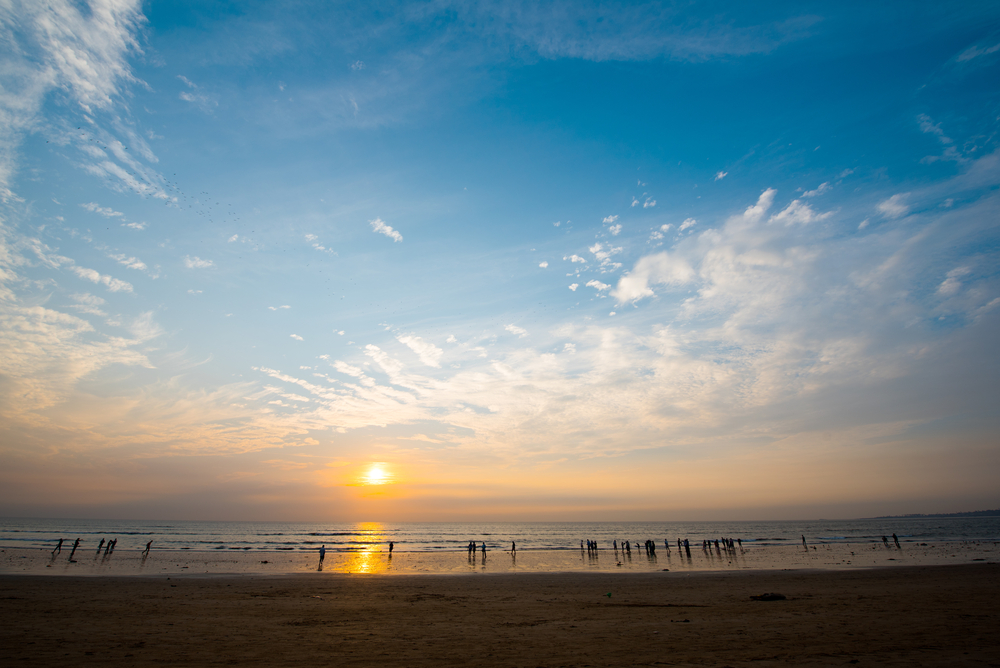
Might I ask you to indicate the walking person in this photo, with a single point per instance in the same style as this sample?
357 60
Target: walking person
75 545
145 553
58 549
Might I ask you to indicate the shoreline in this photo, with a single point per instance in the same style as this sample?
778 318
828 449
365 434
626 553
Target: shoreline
824 557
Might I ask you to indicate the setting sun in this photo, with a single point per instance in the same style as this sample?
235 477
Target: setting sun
376 475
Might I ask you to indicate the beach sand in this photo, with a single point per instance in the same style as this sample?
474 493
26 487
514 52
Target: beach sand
898 616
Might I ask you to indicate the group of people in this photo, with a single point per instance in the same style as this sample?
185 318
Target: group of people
472 549
727 544
885 541
107 545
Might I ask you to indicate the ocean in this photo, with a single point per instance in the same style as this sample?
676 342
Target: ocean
450 536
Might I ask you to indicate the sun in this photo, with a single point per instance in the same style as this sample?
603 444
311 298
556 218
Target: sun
376 475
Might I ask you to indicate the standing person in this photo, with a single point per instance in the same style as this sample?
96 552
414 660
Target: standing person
513 547
322 553
390 548
75 545
804 542
484 549
895 540
58 547
100 547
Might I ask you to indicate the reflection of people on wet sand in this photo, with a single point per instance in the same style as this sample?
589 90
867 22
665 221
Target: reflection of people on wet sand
58 547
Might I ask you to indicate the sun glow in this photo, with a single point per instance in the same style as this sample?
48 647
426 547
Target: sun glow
377 474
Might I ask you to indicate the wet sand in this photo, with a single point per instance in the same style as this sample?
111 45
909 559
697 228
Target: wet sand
898 616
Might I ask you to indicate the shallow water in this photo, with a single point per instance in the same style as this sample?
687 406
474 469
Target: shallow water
363 537
378 561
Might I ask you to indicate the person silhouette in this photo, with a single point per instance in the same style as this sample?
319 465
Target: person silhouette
390 548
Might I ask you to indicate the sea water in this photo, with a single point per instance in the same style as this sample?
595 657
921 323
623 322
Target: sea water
450 536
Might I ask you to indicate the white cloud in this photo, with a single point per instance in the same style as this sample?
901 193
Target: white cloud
895 206
845 173
338 332
798 213
977 51
428 353
104 211
296 337
615 230
520 332
311 237
275 308
196 262
822 188
635 202
233 238
689 222
358 65
113 284
451 339
951 283
557 224
391 366
543 264
649 203
597 285
609 219
194 292
575 258
658 269
130 262
569 348
863 224
135 226
88 303
187 82
574 286
379 226
720 175
950 152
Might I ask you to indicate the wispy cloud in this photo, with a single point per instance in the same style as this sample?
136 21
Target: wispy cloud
520 332
195 262
822 188
104 211
895 206
378 225
720 175
428 353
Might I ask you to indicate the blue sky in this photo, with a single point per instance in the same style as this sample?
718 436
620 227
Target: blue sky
534 261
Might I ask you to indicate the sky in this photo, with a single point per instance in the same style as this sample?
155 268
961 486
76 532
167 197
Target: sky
498 261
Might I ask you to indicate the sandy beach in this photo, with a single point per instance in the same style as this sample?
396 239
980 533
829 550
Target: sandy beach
887 616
